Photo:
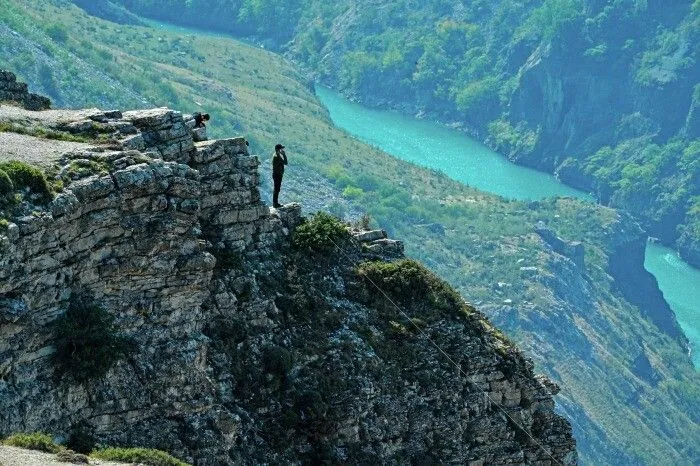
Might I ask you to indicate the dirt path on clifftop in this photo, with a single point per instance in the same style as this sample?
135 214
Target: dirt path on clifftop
46 118
11 456
33 150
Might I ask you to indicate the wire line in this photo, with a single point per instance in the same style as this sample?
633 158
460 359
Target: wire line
458 366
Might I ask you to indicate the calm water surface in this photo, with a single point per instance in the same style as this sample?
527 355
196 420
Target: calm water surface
468 161
432 145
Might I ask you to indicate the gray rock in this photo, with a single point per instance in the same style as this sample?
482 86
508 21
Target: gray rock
199 134
369 236
11 90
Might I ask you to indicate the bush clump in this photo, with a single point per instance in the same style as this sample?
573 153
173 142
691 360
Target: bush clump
277 361
6 185
410 284
87 344
81 438
320 234
138 455
24 175
33 441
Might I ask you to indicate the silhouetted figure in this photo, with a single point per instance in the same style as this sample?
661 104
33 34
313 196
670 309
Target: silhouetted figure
199 119
279 160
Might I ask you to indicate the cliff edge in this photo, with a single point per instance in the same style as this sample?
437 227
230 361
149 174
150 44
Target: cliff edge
225 335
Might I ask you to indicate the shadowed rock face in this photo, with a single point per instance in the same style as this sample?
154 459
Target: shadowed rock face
243 349
637 285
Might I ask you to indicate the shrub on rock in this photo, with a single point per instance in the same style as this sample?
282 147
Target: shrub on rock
87 344
410 285
320 234
24 175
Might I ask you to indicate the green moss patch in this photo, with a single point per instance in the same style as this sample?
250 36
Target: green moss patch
138 455
44 133
6 184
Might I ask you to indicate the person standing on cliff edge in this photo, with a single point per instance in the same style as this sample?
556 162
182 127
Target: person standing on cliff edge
279 160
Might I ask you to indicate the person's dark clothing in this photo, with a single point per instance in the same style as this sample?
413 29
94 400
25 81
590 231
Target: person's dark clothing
199 120
279 160
277 179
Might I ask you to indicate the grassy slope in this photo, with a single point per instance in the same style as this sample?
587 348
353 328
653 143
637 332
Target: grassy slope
256 93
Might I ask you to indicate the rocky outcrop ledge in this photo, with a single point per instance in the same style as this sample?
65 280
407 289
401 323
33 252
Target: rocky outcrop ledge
13 91
243 351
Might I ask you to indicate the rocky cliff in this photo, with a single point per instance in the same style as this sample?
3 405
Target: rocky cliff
241 345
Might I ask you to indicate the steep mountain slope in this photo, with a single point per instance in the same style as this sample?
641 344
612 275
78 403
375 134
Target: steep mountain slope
487 248
603 93
215 337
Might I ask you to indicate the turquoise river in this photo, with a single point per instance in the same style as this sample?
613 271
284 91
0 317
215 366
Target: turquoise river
435 146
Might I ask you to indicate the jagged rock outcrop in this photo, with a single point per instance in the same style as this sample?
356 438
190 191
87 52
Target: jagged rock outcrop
635 283
13 91
243 348
574 250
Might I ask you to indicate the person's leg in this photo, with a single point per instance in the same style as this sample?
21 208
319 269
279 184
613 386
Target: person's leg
275 193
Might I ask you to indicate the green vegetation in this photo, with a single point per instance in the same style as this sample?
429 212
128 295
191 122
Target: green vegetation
641 176
87 343
69 456
43 442
137 455
57 32
322 233
27 176
411 285
512 140
547 21
33 441
6 185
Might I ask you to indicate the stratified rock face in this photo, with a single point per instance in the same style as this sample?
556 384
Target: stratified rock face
11 90
243 349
